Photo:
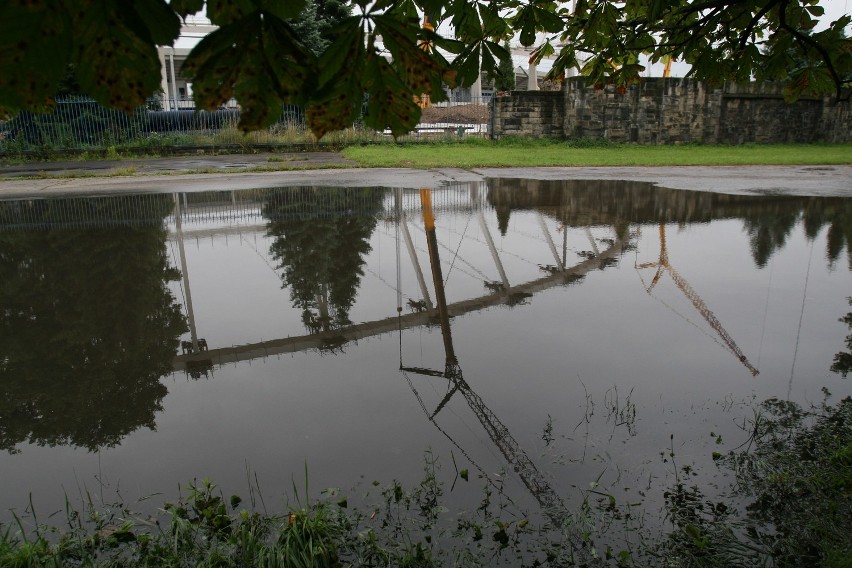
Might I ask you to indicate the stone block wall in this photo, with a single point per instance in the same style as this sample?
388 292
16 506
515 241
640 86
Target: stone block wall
836 121
534 114
651 112
758 113
672 111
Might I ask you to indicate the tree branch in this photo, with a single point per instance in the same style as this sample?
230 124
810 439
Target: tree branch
806 40
751 25
692 31
716 4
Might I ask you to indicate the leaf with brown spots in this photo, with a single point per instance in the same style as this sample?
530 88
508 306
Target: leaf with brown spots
257 59
336 103
35 46
420 70
390 101
186 7
116 57
161 24
224 12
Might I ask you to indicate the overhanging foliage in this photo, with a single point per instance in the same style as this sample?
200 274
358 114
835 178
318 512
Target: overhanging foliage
257 56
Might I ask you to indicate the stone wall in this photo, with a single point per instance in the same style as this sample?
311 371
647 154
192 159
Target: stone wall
836 122
758 113
672 111
535 114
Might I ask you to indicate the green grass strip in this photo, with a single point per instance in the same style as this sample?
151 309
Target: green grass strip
476 153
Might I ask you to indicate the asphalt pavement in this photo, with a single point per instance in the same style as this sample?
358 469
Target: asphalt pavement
173 164
331 169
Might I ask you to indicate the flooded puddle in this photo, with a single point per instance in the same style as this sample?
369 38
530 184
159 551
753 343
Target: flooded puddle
546 337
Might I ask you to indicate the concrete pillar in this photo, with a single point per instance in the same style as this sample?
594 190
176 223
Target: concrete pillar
532 76
164 79
494 254
184 270
549 240
476 89
174 82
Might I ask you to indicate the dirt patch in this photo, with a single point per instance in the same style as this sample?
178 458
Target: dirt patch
460 114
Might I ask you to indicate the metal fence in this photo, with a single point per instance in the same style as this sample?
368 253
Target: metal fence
82 124
220 209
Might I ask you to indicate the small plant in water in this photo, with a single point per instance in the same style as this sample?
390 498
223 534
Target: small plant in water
794 473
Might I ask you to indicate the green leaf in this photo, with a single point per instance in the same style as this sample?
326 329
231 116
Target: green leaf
655 9
400 9
259 61
224 12
186 7
466 65
547 20
465 20
35 46
449 44
692 531
338 100
490 49
116 60
493 24
525 22
810 80
544 50
816 11
567 59
435 8
346 53
390 101
417 67
160 20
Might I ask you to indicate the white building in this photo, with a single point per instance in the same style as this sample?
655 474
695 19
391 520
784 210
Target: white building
177 89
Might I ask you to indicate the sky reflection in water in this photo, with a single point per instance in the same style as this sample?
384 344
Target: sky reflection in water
619 313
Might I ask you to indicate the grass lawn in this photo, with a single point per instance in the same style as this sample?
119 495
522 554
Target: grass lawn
473 153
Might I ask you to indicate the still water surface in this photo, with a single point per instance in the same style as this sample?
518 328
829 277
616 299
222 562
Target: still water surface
577 329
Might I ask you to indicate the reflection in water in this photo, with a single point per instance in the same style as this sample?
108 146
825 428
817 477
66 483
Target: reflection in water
843 361
662 266
768 220
768 232
88 326
92 324
321 254
320 247
538 485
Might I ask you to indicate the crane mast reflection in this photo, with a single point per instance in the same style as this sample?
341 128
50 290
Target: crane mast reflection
551 503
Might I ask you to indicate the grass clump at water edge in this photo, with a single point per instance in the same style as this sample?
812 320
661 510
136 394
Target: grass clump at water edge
789 504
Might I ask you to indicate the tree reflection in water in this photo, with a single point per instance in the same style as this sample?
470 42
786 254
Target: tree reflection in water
88 326
767 220
320 247
843 360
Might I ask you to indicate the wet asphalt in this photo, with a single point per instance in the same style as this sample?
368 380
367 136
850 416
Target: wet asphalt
174 174
173 164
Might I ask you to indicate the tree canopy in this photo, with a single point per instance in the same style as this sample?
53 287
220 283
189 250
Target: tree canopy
88 325
321 255
315 24
257 56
